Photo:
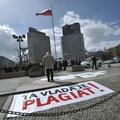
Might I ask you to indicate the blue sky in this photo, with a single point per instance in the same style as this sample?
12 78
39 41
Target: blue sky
99 19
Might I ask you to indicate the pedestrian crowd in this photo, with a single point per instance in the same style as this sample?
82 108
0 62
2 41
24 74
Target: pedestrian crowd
49 65
62 64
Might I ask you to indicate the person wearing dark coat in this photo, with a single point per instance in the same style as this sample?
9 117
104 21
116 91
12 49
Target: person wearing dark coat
94 63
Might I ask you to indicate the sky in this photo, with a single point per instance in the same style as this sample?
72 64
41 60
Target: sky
99 21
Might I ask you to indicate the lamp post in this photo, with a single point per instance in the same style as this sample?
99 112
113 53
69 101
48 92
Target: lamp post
19 40
25 54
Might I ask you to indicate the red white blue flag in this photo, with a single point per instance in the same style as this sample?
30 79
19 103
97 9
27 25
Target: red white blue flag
47 12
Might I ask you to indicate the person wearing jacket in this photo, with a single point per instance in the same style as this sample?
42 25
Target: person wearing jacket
94 62
48 63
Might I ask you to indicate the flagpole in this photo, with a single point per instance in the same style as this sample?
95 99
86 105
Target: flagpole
53 31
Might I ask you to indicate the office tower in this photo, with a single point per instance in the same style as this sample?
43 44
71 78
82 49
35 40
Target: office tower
38 45
73 42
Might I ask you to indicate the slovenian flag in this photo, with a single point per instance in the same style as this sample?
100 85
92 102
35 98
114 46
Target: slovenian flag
47 12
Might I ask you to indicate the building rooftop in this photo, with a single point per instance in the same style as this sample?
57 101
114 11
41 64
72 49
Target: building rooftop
31 29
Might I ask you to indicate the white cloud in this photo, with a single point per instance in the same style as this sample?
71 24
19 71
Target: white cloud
58 34
69 18
8 45
97 34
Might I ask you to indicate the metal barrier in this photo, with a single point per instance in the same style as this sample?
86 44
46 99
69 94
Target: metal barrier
106 108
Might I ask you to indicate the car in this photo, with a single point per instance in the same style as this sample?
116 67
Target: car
108 62
111 61
88 63
117 59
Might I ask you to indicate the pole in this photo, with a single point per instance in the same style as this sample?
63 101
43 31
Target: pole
53 31
20 51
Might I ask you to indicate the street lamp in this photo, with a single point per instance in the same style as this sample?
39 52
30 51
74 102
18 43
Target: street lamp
25 54
19 40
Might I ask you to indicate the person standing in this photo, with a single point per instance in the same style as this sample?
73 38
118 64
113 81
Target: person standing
94 62
64 64
48 63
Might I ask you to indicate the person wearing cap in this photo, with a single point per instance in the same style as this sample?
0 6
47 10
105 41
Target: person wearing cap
48 63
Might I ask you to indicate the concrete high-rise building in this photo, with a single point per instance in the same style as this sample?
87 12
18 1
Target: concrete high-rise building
73 42
38 45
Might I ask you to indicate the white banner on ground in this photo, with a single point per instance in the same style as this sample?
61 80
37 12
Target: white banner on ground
58 96
73 76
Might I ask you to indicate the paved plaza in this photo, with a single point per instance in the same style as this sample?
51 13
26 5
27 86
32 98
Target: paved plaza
109 110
